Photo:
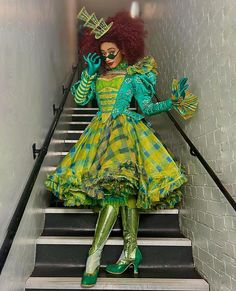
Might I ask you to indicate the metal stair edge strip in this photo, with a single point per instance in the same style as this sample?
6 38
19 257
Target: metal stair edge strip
77 115
119 283
88 108
55 210
73 240
82 108
62 131
74 122
57 153
56 141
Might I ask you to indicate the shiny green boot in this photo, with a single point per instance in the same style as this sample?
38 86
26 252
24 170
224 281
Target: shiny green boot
131 254
105 222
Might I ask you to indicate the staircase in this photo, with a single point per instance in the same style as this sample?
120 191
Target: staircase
62 249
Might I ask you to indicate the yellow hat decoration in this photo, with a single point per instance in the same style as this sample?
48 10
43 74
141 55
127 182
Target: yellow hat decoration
99 27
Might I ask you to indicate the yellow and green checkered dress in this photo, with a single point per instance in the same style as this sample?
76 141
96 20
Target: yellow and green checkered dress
117 160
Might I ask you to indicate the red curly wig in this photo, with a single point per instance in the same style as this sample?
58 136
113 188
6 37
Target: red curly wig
126 32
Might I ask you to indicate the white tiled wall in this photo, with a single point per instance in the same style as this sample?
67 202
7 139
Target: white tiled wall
197 39
38 48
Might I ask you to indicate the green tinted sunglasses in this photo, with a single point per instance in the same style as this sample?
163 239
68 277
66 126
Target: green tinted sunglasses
111 56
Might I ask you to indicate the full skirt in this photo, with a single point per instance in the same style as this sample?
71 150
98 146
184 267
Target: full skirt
115 161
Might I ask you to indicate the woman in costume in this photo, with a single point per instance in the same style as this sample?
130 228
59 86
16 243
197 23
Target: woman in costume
118 163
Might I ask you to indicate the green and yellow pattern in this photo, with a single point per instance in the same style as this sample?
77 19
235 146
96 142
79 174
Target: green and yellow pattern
117 161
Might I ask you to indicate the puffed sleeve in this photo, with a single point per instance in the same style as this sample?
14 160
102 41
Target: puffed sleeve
84 90
144 90
144 87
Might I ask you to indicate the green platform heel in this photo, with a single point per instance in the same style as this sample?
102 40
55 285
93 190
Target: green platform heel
89 280
131 254
123 264
105 222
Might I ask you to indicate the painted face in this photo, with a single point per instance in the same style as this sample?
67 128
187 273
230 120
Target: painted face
111 52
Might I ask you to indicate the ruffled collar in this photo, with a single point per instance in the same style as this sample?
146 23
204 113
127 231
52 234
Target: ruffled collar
143 66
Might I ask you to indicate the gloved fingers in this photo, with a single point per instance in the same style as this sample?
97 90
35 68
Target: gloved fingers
184 89
182 81
93 57
86 60
98 62
183 85
174 86
88 57
93 61
97 59
186 86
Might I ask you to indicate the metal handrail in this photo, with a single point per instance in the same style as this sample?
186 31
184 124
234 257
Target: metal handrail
195 152
19 211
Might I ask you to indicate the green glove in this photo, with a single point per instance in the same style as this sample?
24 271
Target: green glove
83 90
178 88
94 62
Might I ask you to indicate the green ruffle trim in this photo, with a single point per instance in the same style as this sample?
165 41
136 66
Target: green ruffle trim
147 64
109 188
169 194
115 187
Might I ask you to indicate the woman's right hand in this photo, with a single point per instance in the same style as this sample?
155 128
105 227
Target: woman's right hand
179 88
94 62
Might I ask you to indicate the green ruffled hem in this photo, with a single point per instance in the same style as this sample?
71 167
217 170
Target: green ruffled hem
170 195
75 197
97 190
109 188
